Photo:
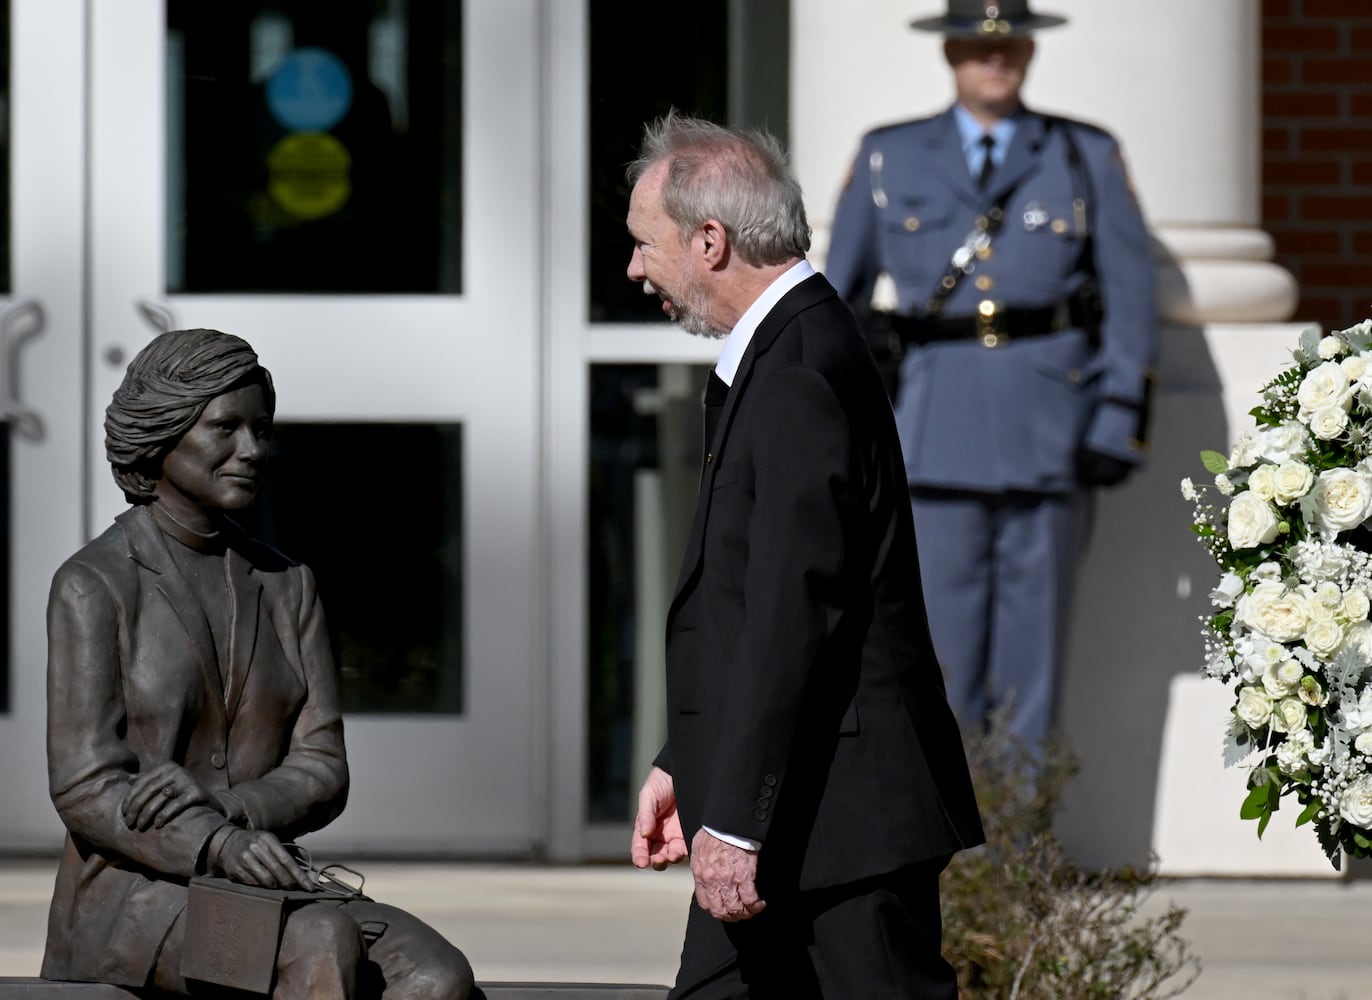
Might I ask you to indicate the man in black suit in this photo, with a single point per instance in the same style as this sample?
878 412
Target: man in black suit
812 762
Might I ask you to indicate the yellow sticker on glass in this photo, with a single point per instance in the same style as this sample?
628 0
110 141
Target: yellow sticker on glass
308 175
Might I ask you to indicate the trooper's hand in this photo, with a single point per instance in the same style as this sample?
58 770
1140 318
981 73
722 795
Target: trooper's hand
1095 468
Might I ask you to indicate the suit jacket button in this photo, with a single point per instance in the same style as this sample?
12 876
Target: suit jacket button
766 791
218 760
762 804
760 815
771 779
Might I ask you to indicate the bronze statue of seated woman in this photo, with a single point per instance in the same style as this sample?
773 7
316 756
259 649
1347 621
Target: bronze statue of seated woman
194 723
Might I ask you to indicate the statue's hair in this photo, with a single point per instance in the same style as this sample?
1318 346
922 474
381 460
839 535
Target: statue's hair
739 177
166 388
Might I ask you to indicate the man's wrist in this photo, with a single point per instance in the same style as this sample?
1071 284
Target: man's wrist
746 843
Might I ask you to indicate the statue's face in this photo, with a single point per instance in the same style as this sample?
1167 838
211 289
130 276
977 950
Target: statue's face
217 463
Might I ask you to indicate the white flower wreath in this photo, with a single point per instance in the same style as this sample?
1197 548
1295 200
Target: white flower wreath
1290 630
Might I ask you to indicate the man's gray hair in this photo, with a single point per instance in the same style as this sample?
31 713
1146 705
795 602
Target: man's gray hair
739 177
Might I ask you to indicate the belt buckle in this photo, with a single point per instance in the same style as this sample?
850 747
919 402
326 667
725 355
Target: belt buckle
990 324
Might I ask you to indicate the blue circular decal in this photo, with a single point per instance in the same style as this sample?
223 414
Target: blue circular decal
310 90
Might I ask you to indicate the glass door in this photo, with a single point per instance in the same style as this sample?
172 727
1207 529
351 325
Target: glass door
354 188
41 498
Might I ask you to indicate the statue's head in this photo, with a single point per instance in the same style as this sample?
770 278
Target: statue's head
165 390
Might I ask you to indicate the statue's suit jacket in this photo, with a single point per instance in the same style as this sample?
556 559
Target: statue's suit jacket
805 706
133 681
1008 418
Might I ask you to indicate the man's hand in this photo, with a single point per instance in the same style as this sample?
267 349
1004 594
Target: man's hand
256 857
657 840
158 796
726 878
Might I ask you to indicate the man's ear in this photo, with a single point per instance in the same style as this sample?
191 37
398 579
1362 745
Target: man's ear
713 243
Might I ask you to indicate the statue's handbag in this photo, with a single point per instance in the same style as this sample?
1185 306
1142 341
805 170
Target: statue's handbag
233 932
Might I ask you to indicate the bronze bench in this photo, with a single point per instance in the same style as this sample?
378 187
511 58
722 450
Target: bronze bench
41 989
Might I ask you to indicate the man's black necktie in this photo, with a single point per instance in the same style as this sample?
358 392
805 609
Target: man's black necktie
716 389
988 163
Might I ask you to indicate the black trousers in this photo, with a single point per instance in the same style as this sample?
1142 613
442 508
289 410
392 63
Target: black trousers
878 939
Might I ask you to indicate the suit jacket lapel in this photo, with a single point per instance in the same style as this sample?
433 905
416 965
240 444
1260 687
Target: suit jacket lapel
804 295
245 596
148 548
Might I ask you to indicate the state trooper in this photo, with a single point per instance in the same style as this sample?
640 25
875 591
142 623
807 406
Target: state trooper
1021 344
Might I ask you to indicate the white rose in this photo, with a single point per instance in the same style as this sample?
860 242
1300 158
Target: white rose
1324 637
1356 804
1262 481
1282 443
1343 500
1188 489
1324 385
1227 591
1356 605
1355 366
1224 484
1267 571
1293 481
1318 612
1328 422
1363 744
1330 348
1276 612
1254 707
1253 522
1288 715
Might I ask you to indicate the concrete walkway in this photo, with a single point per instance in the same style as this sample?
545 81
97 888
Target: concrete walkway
1274 940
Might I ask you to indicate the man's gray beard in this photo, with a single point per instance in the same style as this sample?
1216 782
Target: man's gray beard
694 323
692 317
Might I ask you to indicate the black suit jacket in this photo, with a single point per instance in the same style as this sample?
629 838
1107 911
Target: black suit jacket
806 708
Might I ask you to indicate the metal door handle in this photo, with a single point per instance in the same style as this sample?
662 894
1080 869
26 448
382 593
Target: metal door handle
157 315
20 323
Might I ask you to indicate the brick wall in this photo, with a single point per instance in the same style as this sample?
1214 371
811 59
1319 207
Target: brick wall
1317 152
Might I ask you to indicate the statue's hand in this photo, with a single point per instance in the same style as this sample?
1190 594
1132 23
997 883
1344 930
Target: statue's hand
155 797
256 857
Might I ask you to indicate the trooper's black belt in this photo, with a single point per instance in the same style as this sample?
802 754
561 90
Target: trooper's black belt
993 325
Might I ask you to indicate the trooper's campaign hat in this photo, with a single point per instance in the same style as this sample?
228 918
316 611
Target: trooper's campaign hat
987 19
